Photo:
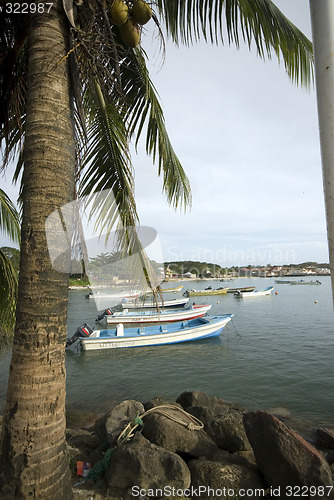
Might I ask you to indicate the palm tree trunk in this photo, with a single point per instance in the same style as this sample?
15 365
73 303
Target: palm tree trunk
34 462
322 16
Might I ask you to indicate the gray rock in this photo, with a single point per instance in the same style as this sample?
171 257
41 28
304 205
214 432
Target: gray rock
118 418
139 463
83 439
330 458
225 480
223 423
215 404
284 458
324 438
157 401
173 436
194 398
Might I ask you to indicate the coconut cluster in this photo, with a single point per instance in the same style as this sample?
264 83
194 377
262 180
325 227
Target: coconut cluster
130 16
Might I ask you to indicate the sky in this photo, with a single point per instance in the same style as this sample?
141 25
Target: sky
248 140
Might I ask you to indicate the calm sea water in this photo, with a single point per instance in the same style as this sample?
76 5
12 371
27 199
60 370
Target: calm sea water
278 353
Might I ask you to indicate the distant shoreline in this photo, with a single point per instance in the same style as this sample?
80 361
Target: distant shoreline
225 279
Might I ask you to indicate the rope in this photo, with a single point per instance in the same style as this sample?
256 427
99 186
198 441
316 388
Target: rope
234 329
192 423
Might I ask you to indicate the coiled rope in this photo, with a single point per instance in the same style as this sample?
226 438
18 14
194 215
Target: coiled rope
189 421
172 412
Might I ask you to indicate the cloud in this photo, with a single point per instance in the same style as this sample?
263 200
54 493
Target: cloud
248 140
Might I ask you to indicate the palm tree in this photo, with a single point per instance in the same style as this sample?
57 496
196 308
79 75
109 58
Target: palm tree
71 80
10 224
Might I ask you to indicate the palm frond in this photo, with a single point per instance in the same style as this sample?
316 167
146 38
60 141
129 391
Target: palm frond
14 31
254 21
9 217
107 163
143 109
8 293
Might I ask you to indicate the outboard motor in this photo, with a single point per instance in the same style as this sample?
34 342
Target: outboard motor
82 332
106 312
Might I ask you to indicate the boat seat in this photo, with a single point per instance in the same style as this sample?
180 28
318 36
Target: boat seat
163 328
120 330
141 330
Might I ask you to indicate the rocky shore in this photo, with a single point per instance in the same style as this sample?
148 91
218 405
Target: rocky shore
198 447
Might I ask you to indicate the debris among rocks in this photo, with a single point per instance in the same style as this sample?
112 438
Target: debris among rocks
200 440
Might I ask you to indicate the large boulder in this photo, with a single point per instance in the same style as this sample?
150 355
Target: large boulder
139 464
110 426
223 423
222 420
284 458
218 480
194 398
83 439
324 438
190 399
169 433
158 401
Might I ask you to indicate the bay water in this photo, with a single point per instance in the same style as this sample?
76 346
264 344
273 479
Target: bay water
277 354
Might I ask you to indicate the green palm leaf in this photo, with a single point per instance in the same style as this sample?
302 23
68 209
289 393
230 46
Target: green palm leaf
254 21
9 224
8 294
142 108
9 217
107 163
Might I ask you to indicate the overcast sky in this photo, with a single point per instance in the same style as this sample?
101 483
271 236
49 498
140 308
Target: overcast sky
248 140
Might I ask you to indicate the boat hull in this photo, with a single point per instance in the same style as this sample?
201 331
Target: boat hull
197 293
196 329
152 305
164 316
170 290
242 289
305 283
256 293
114 296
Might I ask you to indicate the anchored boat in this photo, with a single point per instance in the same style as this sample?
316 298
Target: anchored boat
170 290
255 293
185 331
146 317
302 282
117 295
150 304
242 289
207 291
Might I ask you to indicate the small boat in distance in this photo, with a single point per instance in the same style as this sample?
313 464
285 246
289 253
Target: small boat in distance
299 282
151 304
145 317
302 282
255 293
207 291
117 295
242 289
169 290
172 333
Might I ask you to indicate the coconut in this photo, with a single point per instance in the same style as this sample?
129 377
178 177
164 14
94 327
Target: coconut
118 12
130 32
141 12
